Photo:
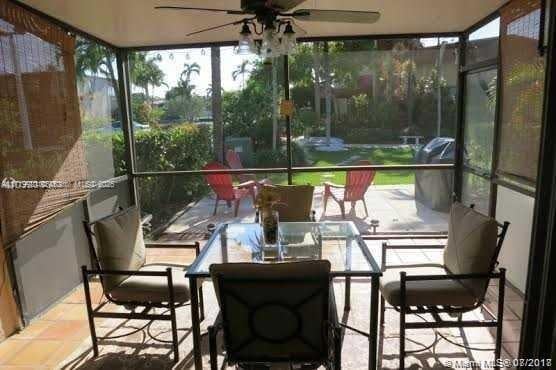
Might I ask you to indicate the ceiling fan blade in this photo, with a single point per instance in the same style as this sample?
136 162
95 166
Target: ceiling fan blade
300 31
216 27
285 5
227 11
341 16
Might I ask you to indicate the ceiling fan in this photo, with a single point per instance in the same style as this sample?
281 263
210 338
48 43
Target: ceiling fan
268 17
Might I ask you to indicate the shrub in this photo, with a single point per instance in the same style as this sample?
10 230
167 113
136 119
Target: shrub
270 158
183 147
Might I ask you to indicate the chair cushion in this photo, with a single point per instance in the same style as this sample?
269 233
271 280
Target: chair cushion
295 201
153 288
119 244
472 245
423 293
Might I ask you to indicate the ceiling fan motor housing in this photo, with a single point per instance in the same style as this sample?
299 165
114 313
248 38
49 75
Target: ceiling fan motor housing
258 5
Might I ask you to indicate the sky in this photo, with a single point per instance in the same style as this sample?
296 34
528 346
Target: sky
173 61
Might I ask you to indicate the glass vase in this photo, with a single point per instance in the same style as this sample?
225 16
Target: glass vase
269 221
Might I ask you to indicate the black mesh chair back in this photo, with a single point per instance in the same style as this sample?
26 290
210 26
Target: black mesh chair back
275 313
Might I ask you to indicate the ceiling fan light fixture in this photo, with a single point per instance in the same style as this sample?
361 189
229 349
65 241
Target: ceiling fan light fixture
246 42
288 40
270 44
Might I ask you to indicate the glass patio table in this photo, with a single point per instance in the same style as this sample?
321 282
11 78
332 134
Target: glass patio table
338 242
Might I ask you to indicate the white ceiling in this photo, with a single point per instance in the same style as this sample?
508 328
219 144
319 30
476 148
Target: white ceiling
127 23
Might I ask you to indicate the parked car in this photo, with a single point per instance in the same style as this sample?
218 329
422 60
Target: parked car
117 126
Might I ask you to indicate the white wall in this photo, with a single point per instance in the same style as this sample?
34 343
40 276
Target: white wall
518 210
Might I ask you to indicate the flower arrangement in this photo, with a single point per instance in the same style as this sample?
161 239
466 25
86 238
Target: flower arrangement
265 201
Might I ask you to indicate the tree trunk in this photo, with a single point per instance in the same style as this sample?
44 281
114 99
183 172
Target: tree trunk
316 67
328 93
217 127
410 79
274 104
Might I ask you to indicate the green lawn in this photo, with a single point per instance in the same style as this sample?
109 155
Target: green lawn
351 157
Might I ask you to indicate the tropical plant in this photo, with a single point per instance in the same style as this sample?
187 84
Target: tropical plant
241 70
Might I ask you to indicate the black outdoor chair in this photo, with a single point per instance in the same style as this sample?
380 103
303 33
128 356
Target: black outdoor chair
276 313
457 286
118 252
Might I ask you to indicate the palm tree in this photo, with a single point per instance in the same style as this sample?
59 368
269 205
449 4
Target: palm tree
216 92
241 70
147 73
95 59
185 77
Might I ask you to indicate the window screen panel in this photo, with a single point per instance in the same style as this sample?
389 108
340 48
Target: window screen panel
522 73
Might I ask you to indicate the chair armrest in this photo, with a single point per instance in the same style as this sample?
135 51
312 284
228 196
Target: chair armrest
386 245
247 184
491 275
332 185
125 272
175 245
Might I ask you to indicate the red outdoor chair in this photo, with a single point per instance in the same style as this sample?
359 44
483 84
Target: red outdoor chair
223 187
234 161
357 183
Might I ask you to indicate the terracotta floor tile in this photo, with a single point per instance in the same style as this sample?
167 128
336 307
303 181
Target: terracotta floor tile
67 348
9 347
75 312
65 330
35 353
32 330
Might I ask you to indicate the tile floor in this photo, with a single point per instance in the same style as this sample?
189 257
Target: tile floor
394 206
59 339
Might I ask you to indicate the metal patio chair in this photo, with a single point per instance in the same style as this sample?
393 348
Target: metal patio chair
276 313
118 253
295 204
357 183
457 286
223 186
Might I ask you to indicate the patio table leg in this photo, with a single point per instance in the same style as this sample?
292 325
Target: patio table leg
195 324
347 299
373 329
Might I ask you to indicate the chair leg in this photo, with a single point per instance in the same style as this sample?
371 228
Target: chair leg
337 348
365 205
402 320
500 316
212 348
215 206
347 298
236 208
201 303
382 310
175 342
253 191
343 209
89 310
